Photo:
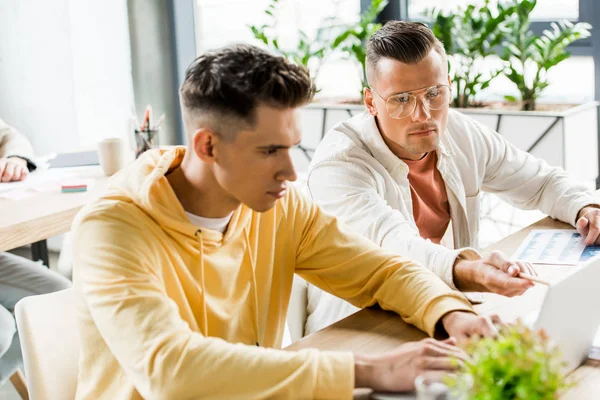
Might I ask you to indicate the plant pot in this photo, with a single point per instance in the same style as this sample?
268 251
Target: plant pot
567 139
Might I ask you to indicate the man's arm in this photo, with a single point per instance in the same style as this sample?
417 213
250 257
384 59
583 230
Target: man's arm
13 143
346 264
526 181
15 154
348 191
159 352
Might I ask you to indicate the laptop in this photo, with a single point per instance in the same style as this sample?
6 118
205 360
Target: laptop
77 159
570 313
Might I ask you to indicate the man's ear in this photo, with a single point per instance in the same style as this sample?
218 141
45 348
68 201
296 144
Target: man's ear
204 141
368 99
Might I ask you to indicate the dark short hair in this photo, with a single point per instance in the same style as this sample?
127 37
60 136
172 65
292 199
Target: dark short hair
231 82
404 41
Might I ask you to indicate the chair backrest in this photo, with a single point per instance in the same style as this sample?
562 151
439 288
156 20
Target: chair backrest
296 314
50 343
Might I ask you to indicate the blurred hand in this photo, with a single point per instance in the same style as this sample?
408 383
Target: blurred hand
13 169
588 225
493 273
463 325
396 371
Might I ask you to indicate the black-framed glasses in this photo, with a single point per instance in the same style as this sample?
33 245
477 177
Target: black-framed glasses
402 105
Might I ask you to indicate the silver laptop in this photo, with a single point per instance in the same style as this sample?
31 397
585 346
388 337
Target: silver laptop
570 313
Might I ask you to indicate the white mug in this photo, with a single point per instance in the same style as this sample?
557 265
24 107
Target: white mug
111 154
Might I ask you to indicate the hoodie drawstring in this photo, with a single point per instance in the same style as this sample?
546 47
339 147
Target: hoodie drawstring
198 235
254 286
248 250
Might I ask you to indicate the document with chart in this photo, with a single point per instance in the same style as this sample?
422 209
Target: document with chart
555 246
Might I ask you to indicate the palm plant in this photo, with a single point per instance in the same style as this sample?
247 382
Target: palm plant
469 35
529 57
307 52
353 38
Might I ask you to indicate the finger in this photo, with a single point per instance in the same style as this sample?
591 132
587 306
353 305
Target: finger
441 363
525 267
485 327
2 167
532 270
499 260
593 233
498 282
497 321
441 349
8 172
18 173
581 225
24 174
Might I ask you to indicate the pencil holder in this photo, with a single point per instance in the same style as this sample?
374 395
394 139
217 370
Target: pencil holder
145 140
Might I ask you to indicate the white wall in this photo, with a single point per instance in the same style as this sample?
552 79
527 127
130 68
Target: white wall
65 71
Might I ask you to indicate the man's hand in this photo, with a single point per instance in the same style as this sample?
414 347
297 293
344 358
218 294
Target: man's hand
588 224
396 371
13 169
493 273
462 325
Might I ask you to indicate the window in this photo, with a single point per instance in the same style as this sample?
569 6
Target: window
545 9
222 22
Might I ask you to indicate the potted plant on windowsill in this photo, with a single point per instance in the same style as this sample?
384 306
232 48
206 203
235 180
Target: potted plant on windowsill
551 132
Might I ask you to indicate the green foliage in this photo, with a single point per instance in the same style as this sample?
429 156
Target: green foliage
519 364
469 35
353 38
529 57
307 51
349 39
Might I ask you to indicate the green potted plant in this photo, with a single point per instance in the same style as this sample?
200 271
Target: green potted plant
352 40
519 364
332 36
470 35
529 57
309 52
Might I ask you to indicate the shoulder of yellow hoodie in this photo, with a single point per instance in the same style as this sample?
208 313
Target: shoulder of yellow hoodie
118 223
298 214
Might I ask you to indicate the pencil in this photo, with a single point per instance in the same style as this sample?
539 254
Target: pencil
533 278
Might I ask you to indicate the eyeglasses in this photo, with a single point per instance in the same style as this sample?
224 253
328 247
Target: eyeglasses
402 105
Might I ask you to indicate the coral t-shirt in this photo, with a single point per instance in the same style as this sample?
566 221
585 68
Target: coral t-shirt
431 209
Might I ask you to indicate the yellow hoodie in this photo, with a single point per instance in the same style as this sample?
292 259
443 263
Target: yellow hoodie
169 311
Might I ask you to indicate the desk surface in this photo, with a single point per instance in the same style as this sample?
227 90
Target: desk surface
373 331
45 214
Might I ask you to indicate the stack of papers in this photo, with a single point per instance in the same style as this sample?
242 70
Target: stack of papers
555 246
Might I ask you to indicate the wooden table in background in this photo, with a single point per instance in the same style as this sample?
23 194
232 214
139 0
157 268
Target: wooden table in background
373 331
43 215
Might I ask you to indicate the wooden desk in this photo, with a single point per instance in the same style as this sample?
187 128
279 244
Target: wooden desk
373 331
44 214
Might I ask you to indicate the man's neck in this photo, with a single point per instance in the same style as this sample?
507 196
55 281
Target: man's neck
198 191
401 152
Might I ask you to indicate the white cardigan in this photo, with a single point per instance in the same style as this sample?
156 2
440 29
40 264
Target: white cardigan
355 176
12 143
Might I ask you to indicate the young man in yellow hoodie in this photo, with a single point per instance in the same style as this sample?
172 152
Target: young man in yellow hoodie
183 269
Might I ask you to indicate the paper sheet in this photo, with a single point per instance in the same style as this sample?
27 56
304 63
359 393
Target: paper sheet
48 181
555 246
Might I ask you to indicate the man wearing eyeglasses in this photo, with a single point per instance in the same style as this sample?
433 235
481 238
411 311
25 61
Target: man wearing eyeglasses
407 173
